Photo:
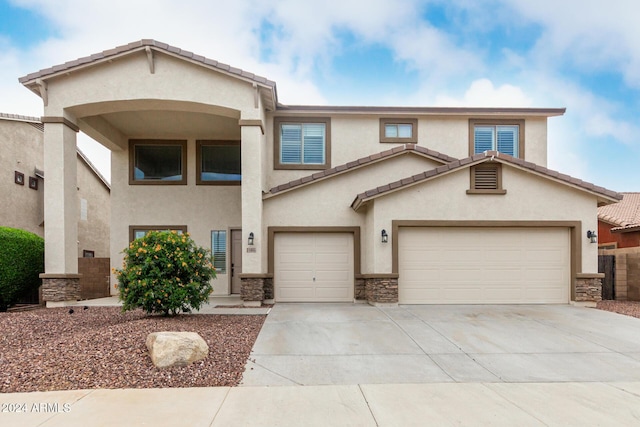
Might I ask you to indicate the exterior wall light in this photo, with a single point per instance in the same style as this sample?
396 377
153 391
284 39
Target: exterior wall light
592 236
385 236
250 240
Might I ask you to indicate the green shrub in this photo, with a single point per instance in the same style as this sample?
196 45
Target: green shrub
21 262
165 272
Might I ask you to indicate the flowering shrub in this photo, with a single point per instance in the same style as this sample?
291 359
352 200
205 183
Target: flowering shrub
165 272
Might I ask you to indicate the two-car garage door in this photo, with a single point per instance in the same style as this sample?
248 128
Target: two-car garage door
483 265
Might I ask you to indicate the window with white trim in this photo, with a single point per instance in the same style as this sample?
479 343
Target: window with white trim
219 250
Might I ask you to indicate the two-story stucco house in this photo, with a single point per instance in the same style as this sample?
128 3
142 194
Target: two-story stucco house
317 203
23 185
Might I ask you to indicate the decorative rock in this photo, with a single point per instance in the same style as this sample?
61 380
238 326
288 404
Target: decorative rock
176 348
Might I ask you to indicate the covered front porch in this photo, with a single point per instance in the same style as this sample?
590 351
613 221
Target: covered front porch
187 138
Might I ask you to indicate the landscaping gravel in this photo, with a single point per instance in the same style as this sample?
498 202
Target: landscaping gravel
630 308
101 347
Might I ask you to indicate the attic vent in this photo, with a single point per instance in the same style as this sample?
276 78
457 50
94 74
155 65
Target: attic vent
486 178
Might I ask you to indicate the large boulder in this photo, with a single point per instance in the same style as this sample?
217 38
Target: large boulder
176 348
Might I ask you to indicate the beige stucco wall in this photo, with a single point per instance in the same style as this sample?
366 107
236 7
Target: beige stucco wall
528 198
357 136
328 203
110 87
22 207
93 229
202 208
21 150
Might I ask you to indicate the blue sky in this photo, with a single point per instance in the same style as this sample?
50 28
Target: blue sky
580 54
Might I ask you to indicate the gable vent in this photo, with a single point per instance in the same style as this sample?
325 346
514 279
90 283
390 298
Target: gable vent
486 177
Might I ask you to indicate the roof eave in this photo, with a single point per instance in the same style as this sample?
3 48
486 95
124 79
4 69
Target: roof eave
605 197
626 229
360 163
452 111
33 80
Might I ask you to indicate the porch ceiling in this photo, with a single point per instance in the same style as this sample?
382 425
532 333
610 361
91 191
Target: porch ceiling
162 124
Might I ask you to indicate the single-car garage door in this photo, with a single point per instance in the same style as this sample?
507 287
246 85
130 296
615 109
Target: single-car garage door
313 267
483 265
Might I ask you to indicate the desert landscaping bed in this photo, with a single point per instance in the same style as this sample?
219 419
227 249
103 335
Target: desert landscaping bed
101 347
629 308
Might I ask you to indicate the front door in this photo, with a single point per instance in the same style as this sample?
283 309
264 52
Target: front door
236 260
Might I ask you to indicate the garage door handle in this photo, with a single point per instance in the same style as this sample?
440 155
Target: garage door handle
314 279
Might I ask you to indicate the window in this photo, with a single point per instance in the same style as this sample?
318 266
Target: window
486 178
218 163
219 250
505 136
83 209
88 254
302 143
137 231
157 162
399 130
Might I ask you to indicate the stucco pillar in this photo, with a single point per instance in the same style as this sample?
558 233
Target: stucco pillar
61 280
253 271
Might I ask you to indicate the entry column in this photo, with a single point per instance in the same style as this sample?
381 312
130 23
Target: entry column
60 281
253 279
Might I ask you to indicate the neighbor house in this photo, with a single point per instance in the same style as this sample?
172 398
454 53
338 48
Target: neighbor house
308 203
619 223
22 187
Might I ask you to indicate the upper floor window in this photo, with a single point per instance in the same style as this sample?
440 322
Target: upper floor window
218 163
503 136
302 143
399 130
157 162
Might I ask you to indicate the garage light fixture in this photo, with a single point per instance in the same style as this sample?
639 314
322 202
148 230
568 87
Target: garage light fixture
385 236
250 240
592 236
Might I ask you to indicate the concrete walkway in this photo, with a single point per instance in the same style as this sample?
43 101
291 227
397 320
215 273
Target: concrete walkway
538 404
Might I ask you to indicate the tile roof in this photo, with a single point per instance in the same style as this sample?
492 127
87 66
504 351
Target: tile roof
33 121
374 158
141 45
480 158
625 214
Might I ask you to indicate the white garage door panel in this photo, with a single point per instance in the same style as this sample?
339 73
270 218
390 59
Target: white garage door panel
463 265
301 257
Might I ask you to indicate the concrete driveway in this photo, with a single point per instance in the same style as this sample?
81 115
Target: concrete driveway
317 344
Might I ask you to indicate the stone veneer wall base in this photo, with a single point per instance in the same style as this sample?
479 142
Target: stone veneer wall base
60 288
256 288
381 289
588 287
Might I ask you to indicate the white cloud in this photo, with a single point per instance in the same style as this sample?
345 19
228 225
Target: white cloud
482 93
590 34
290 41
